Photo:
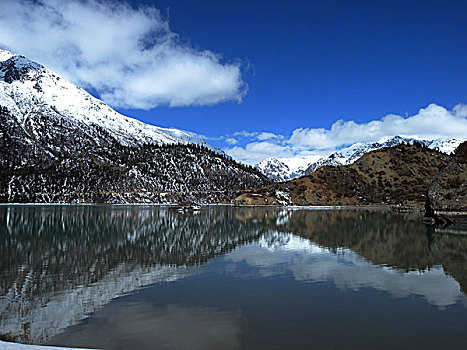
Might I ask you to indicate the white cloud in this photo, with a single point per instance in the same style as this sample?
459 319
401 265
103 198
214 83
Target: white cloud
258 135
245 133
268 136
129 56
231 141
460 110
429 123
255 152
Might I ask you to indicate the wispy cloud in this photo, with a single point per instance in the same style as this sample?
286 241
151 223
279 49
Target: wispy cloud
255 152
245 133
231 141
129 56
269 136
429 123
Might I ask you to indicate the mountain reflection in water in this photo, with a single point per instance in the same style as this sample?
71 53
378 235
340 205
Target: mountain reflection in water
59 264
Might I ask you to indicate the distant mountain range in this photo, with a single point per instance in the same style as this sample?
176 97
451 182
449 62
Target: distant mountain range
411 175
399 174
60 144
278 170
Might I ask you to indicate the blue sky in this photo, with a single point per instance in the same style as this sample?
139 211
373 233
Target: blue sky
312 62
299 66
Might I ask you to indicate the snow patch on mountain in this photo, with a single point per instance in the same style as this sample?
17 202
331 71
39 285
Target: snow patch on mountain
274 169
27 87
284 169
5 55
350 154
446 145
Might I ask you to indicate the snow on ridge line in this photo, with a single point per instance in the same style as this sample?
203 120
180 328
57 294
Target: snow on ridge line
43 85
284 169
350 154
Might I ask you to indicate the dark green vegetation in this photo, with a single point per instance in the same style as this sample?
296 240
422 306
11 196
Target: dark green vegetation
72 164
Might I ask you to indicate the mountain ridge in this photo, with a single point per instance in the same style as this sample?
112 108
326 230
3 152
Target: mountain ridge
60 144
391 175
29 80
278 171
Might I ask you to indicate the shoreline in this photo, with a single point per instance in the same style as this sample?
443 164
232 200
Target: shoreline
310 207
449 216
375 207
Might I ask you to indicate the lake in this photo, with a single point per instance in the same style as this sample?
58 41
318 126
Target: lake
149 277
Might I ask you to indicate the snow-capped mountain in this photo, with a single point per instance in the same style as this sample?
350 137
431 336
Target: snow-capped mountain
350 154
284 169
60 144
274 169
280 170
445 145
28 89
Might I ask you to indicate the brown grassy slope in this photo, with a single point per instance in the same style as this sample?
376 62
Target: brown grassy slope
448 190
393 175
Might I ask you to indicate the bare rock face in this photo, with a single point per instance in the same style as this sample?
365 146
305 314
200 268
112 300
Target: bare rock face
447 195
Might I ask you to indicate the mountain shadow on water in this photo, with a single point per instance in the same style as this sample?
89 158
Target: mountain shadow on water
383 238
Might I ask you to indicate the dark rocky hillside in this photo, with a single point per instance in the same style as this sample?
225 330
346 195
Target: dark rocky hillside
392 175
60 144
78 164
448 192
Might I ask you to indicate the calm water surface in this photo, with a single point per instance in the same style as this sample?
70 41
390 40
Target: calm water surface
130 277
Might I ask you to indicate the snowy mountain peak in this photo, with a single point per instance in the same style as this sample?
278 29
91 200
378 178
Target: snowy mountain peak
350 154
271 161
446 145
60 144
28 88
274 169
282 169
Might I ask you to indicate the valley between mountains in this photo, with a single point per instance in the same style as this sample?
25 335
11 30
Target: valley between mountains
59 144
